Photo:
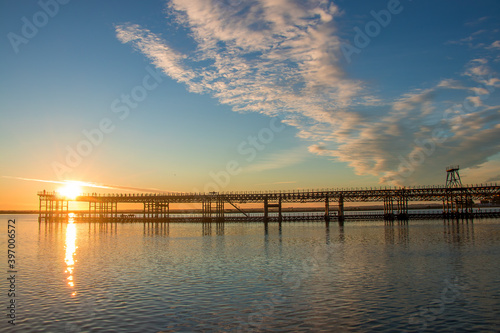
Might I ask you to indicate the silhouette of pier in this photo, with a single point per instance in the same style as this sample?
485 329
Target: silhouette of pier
457 203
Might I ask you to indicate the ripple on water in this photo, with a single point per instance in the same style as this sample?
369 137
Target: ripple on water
305 278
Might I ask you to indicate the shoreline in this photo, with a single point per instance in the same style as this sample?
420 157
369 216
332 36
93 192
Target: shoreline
255 210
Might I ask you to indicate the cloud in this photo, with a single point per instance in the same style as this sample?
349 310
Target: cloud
479 39
91 185
282 57
277 183
407 144
494 179
277 161
477 21
160 54
495 45
486 172
450 84
269 57
410 101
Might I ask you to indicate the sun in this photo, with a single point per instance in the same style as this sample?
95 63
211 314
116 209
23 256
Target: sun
70 190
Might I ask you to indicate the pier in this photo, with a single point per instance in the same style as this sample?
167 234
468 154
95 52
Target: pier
457 202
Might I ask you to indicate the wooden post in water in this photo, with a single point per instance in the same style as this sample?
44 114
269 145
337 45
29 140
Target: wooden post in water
327 210
219 209
341 209
266 210
207 209
280 217
388 208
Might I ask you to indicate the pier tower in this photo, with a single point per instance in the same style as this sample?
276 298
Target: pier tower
458 202
453 177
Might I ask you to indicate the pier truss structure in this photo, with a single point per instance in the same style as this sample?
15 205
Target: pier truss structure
457 202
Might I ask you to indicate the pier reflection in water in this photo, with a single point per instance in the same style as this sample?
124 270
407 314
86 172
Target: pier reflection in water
207 228
397 228
459 231
362 276
156 229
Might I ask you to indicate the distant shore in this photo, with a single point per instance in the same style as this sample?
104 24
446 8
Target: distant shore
18 212
256 210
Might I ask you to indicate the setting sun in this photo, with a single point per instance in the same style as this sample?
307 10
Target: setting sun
70 190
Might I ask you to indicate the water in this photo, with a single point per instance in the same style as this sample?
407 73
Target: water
366 276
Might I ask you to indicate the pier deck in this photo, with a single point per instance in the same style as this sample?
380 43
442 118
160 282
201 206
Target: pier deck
457 202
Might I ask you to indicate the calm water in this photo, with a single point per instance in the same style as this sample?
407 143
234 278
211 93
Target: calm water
423 276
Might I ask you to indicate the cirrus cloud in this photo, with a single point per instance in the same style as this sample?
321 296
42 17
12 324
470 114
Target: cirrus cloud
282 57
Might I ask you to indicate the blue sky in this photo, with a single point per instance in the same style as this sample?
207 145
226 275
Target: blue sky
248 95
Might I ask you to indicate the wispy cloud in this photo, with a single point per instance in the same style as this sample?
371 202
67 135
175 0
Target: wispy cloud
479 39
269 57
494 179
276 183
277 161
89 184
283 57
477 21
161 55
483 173
495 45
468 129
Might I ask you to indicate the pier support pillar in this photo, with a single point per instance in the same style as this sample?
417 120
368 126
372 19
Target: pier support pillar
449 204
40 209
341 209
52 208
268 205
280 216
206 210
469 207
327 210
219 209
388 208
403 207
266 210
457 203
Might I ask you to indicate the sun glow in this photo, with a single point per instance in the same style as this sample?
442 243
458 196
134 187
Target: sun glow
71 189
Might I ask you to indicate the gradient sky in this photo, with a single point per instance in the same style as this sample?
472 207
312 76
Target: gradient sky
194 95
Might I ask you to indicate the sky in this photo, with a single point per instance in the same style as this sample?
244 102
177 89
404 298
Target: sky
230 95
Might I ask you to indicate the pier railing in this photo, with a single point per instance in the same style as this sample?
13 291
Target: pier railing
456 201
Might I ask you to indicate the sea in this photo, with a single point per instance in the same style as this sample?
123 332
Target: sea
364 276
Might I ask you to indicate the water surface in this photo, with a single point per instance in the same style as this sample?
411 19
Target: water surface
365 276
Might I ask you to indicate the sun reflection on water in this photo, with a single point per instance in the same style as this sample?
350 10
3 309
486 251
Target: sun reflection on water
70 251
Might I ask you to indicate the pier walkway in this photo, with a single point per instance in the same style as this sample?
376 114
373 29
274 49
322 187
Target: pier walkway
457 202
